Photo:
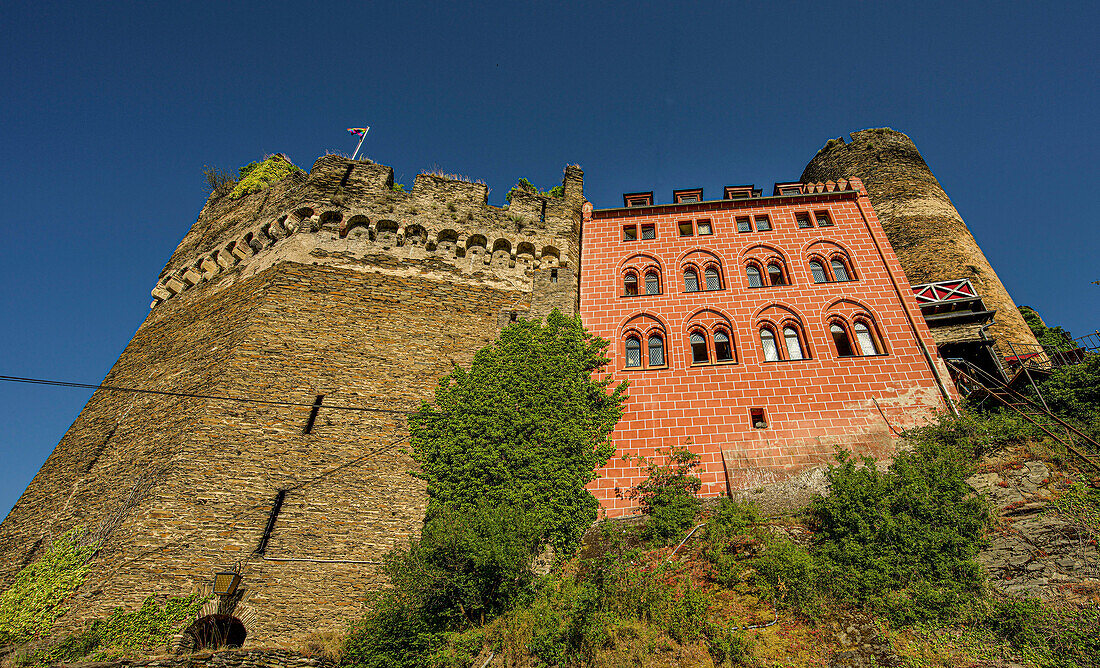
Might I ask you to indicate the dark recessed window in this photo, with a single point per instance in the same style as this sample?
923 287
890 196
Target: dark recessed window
698 348
649 231
703 226
823 219
723 352
775 275
803 220
744 224
630 285
840 340
686 228
630 233
553 275
763 224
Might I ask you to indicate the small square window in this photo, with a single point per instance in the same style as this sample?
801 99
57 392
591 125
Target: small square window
763 224
757 419
744 224
630 233
823 219
686 228
703 226
689 196
649 231
803 220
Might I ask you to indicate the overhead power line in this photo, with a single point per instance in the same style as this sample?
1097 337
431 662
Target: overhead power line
267 402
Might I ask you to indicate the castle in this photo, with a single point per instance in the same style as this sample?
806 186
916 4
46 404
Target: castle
764 332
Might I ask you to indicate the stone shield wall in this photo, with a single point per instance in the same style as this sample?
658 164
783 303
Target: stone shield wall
330 287
928 235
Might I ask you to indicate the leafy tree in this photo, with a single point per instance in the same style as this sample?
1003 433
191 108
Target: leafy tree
1052 338
525 427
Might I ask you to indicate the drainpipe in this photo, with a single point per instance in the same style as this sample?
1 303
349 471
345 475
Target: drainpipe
908 316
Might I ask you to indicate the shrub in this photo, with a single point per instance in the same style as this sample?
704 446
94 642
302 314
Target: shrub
1074 391
526 426
37 596
218 181
787 573
912 532
255 176
668 494
525 185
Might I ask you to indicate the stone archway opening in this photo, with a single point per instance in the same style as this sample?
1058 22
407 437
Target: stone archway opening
216 631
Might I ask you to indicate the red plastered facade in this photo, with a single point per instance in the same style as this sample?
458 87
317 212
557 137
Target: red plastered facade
811 406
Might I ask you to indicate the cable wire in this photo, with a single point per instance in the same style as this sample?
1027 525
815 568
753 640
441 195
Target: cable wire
269 402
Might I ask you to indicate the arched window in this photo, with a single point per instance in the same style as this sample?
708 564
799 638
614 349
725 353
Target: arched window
753 274
630 284
699 348
866 341
652 284
714 282
767 342
840 272
723 352
794 345
633 352
656 350
691 280
775 275
840 340
818 272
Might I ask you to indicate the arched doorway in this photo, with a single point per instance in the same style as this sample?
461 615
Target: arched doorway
214 631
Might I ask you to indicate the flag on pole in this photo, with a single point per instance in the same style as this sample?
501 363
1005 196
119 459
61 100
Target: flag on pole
362 134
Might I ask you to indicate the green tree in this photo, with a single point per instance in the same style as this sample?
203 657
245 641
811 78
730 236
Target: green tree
1052 338
525 427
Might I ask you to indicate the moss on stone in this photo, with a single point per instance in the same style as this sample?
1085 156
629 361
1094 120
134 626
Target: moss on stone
255 176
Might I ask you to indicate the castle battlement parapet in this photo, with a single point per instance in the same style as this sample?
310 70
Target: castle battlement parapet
348 214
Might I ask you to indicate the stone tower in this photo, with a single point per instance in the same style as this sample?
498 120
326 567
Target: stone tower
331 291
928 235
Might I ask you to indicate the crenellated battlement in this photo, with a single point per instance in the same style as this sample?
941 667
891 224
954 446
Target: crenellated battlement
347 213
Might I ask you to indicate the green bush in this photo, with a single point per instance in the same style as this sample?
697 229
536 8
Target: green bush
526 426
1074 391
788 574
525 185
255 176
904 540
36 598
668 494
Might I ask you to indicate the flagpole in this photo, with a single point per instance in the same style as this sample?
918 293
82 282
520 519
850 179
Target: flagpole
361 139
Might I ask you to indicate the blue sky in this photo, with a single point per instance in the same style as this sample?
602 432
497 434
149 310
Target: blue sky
111 110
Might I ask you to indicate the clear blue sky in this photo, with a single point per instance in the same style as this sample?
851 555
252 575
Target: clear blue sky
110 111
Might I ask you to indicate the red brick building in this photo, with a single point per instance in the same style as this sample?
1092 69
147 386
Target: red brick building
763 332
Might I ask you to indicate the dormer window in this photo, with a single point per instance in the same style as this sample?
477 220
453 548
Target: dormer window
687 196
638 199
740 192
791 188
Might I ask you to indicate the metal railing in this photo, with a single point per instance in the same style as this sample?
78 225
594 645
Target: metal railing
1045 358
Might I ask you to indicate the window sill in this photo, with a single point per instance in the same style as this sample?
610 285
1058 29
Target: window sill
644 368
715 363
804 359
644 294
857 357
692 292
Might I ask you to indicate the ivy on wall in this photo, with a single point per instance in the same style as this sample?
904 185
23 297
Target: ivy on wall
36 598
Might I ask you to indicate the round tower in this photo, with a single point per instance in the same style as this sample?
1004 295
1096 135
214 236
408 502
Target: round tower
928 235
